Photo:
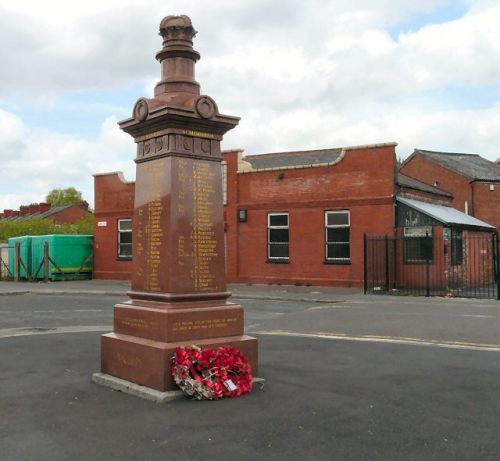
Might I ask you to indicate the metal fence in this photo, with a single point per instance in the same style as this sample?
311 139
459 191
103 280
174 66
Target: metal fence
468 266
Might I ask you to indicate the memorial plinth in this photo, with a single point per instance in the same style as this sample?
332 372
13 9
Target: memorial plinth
178 294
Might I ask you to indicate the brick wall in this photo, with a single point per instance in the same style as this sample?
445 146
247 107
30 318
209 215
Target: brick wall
71 214
434 174
114 200
486 205
483 203
424 196
362 182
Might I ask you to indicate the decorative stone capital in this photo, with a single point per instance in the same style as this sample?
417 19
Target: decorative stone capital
177 28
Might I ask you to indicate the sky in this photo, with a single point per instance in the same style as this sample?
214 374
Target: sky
301 75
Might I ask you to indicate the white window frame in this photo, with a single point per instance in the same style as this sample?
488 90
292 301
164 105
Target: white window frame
336 226
269 243
123 231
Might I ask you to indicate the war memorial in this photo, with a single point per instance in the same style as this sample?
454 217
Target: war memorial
178 293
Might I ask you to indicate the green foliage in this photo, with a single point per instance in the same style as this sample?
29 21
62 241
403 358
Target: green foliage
40 226
68 196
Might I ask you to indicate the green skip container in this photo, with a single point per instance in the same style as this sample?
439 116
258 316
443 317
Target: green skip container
70 256
25 253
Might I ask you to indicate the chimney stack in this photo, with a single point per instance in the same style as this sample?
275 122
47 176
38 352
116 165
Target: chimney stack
44 206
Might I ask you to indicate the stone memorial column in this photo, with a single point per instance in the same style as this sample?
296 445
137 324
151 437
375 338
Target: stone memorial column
178 294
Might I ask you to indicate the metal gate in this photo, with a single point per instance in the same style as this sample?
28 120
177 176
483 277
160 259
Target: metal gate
467 266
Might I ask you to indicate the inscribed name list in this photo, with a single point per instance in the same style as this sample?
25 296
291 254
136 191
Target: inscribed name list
200 238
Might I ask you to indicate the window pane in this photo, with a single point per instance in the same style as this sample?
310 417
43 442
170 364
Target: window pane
427 248
418 249
278 251
125 249
338 219
337 234
125 224
338 251
412 249
278 235
278 220
125 237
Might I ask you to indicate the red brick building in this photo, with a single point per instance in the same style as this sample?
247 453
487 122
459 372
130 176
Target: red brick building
473 181
114 208
64 214
300 217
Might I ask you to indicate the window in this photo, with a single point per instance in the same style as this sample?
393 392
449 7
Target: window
418 244
337 224
124 238
456 247
277 236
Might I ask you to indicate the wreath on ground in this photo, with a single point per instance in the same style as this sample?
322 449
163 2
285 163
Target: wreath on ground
211 374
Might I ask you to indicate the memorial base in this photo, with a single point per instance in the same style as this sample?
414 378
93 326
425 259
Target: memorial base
121 385
147 362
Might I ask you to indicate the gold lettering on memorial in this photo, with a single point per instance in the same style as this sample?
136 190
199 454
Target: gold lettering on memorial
206 324
128 360
198 134
149 228
202 226
155 134
138 323
197 244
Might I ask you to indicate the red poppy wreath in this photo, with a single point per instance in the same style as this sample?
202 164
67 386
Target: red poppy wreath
211 374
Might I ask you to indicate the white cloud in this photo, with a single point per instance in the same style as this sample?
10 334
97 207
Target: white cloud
111 43
313 74
472 131
11 128
40 160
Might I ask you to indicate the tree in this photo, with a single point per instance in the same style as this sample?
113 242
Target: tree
68 196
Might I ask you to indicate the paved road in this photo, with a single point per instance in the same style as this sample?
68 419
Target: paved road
352 379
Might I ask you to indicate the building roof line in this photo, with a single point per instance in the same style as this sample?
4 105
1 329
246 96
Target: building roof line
404 180
295 152
445 214
278 161
471 166
120 175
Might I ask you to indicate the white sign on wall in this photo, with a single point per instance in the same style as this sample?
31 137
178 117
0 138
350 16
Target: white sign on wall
102 223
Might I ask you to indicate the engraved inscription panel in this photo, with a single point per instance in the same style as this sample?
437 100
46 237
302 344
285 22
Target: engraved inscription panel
151 226
199 239
178 227
204 324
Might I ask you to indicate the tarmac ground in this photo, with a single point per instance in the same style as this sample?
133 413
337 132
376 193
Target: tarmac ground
348 377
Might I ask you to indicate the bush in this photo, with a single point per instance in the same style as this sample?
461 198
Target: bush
40 226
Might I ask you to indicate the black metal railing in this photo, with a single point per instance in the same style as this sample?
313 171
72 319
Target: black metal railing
433 265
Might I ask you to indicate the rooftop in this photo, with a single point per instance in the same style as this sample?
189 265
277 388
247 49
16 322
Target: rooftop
46 214
296 158
472 166
445 214
406 181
